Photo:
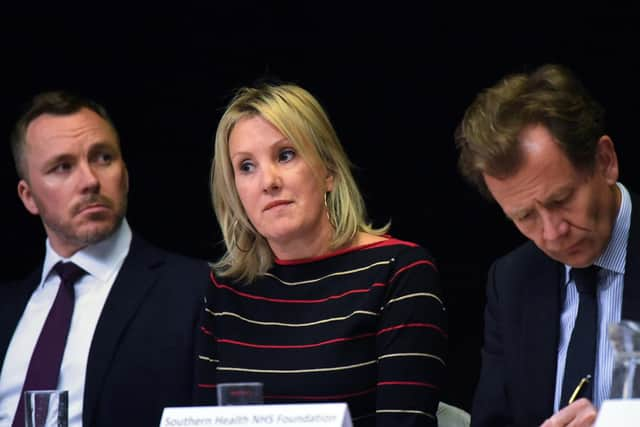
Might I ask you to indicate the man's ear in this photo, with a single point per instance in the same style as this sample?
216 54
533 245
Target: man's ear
126 173
607 160
24 192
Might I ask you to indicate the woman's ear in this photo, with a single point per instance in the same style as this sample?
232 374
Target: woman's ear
329 181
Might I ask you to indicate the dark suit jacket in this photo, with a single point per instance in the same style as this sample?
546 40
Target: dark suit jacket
141 356
522 323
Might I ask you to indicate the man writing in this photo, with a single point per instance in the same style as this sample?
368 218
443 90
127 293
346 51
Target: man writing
107 317
535 143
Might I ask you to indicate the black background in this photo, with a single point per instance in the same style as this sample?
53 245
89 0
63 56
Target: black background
395 79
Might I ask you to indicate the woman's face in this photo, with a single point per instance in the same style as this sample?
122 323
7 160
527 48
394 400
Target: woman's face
281 194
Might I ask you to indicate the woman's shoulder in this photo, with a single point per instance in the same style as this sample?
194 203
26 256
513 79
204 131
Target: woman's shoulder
404 253
365 248
393 243
386 247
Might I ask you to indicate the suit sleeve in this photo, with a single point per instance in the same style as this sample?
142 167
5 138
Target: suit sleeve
491 406
411 344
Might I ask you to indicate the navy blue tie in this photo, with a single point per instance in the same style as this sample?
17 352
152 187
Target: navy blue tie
44 367
581 354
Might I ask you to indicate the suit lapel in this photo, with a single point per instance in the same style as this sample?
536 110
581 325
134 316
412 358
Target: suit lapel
631 292
135 279
540 336
13 298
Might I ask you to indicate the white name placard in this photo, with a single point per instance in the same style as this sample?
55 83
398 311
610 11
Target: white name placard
619 413
292 415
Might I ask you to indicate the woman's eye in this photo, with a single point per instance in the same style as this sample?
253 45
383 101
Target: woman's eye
245 166
286 155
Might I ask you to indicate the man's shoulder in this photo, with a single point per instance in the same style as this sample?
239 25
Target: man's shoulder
526 260
142 247
175 258
141 251
29 278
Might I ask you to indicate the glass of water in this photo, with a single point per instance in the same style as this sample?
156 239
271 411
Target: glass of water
239 393
625 339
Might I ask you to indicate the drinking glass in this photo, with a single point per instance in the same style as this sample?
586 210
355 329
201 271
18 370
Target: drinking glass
625 339
46 408
239 393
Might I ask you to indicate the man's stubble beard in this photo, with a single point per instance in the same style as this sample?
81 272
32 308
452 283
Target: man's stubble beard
67 232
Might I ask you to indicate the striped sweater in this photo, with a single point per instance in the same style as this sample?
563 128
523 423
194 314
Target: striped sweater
363 325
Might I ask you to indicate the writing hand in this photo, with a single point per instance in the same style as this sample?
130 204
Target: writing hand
580 413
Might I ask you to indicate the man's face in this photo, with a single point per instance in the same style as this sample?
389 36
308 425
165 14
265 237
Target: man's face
567 213
76 179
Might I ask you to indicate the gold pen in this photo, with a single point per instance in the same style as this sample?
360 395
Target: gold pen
584 381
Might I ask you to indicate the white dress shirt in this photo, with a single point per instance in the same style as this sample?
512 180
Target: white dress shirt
610 286
101 261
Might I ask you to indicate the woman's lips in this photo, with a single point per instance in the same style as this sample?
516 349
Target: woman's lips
275 204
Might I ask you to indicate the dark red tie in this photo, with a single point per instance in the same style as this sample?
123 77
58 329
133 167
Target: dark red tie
44 367
581 354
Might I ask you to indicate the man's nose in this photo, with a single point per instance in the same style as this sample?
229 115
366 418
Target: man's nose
88 177
553 226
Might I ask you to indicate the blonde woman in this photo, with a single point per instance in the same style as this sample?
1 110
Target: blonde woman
309 298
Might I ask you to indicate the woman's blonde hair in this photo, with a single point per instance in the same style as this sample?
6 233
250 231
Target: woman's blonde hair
297 115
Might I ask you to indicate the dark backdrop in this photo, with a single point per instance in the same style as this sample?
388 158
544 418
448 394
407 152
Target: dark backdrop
395 79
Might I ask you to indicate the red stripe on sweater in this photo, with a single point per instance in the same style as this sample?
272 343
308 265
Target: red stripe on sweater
330 397
413 325
413 264
416 383
333 341
294 301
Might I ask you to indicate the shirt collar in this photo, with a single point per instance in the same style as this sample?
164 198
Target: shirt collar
615 254
614 257
100 260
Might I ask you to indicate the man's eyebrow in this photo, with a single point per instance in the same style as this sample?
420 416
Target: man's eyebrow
57 159
104 145
517 213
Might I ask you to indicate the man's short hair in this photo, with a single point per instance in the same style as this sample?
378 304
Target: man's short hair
57 103
488 136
